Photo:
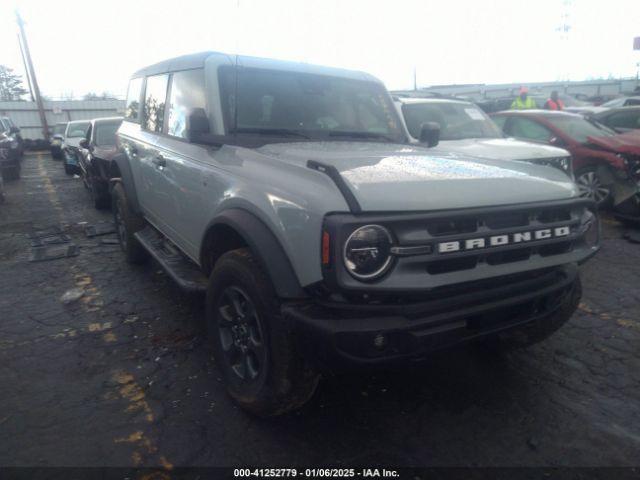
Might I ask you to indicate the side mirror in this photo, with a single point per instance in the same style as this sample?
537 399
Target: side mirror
197 124
84 143
14 130
430 133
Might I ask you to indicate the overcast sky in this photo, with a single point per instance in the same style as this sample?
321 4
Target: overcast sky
82 46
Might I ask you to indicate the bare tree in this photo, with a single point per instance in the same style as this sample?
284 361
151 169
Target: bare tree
11 88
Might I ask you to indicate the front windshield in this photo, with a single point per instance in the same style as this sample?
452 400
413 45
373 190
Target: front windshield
106 133
578 128
77 130
457 120
302 105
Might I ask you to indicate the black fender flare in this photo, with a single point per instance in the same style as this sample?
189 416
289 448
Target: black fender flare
264 245
121 160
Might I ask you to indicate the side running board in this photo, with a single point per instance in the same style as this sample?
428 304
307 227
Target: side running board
181 269
333 173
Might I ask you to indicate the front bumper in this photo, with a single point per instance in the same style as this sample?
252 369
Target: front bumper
346 336
9 157
71 156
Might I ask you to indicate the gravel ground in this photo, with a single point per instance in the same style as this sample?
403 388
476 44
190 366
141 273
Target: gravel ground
122 376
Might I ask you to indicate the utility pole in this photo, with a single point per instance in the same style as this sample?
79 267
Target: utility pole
32 73
415 80
24 63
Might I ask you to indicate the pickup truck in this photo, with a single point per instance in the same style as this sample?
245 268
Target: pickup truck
322 237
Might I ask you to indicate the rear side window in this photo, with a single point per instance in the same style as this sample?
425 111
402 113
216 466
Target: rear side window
530 130
154 102
105 134
76 130
624 119
500 121
132 108
187 93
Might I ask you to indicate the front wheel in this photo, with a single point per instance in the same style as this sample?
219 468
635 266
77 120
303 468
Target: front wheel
252 343
542 328
590 185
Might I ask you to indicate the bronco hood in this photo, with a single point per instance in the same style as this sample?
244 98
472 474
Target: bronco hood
499 149
391 177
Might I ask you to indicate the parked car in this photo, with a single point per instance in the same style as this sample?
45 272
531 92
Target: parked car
11 150
623 119
96 152
57 140
12 131
606 164
323 237
629 101
467 130
491 105
75 131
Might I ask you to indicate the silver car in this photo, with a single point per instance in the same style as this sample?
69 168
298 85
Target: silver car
466 129
323 237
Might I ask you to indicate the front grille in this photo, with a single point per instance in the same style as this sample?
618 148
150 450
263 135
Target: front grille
442 248
455 241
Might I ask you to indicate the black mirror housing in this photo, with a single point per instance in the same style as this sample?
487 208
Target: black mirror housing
84 143
14 130
430 134
197 124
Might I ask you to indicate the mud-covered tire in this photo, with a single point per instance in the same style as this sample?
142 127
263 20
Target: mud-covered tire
284 381
127 223
543 328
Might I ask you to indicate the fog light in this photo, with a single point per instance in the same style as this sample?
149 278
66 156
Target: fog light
590 229
380 341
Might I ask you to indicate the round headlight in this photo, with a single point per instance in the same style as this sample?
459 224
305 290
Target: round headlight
367 252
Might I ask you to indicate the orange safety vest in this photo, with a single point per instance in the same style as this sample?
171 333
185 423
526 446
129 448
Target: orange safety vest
551 105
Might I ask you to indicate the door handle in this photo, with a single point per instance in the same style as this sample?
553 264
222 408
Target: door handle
159 162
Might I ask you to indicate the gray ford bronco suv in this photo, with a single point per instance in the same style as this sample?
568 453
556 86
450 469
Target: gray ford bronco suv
323 238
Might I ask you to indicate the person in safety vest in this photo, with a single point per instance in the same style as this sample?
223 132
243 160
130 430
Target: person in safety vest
523 101
554 103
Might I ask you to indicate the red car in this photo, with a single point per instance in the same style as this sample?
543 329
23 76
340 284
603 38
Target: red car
606 164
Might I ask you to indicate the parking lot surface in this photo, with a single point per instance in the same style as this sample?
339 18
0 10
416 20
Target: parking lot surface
123 375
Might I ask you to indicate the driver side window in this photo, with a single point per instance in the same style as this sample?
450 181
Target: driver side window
529 130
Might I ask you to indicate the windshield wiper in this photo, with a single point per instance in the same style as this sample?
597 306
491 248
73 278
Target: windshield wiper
280 132
340 133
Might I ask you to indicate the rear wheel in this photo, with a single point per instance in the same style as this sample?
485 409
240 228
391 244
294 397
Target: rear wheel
127 223
590 185
253 344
